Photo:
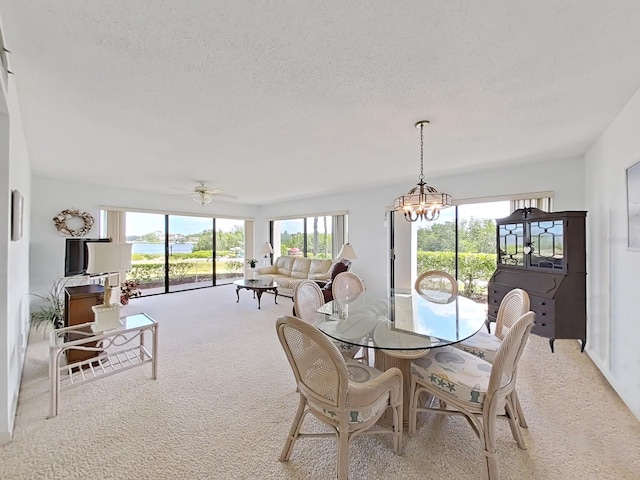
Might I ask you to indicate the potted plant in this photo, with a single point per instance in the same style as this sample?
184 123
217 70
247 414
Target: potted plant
51 311
129 289
252 262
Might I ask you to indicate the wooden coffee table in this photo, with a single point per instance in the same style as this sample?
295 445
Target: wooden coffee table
258 286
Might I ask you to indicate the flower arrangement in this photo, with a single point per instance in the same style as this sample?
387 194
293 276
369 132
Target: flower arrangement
129 289
252 262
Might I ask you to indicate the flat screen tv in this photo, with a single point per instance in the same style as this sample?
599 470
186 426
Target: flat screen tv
76 257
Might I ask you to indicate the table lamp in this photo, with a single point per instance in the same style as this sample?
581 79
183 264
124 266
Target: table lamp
108 259
265 249
347 252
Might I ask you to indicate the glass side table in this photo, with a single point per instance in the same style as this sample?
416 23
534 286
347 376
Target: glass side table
119 349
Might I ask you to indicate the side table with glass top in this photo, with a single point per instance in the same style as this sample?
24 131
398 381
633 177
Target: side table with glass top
117 350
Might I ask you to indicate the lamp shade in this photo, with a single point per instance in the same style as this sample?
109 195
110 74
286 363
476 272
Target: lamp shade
107 257
266 248
347 252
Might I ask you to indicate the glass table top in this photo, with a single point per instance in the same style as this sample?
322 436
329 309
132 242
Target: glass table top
401 320
255 283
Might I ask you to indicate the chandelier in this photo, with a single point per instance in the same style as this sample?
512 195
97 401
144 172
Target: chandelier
422 202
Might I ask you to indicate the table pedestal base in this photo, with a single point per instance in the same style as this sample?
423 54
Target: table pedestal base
384 362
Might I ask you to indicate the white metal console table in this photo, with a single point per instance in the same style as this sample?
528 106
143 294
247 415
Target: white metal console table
117 350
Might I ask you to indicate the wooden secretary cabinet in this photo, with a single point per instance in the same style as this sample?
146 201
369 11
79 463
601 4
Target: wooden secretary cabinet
545 255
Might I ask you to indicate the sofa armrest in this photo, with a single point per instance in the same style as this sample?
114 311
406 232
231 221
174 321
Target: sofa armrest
269 269
319 276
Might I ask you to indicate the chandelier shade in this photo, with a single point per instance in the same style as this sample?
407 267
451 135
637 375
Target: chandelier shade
422 202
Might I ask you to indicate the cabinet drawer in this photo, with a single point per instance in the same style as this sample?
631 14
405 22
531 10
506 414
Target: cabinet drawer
539 304
546 331
544 320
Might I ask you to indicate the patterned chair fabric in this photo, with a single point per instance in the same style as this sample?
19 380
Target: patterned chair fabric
325 389
467 385
485 345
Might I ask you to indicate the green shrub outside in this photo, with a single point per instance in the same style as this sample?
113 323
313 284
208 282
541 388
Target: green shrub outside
474 269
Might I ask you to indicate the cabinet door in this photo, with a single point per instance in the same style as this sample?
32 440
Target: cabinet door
511 244
546 245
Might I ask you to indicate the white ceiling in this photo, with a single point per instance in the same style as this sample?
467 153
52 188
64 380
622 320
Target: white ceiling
277 100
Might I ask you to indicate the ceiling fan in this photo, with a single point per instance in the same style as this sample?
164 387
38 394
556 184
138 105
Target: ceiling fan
203 195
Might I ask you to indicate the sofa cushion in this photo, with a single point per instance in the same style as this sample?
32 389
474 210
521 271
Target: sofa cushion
300 268
284 265
319 269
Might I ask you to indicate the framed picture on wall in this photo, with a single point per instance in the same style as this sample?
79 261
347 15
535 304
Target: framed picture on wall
17 207
633 206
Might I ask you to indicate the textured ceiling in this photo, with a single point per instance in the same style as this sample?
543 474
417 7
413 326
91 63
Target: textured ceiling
276 100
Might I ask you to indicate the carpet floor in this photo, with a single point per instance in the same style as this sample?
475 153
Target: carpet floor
225 396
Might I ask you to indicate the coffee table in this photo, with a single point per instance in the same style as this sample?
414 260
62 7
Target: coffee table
258 287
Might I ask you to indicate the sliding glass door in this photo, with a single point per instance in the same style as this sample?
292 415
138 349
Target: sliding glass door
180 252
190 259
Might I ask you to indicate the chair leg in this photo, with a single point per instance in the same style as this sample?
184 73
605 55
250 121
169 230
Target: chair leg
516 403
413 408
294 431
397 428
513 423
343 454
488 440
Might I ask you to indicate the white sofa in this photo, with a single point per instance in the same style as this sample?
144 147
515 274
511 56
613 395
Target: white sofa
289 270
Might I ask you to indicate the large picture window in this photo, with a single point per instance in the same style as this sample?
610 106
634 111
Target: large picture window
178 252
461 242
319 236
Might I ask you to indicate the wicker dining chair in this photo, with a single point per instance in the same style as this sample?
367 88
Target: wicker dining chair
437 286
346 284
474 388
308 297
326 391
485 345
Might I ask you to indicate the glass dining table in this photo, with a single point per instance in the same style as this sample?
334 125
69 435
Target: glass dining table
400 325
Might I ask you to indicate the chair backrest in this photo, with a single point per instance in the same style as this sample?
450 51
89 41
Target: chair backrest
319 368
436 281
513 305
346 284
505 365
307 298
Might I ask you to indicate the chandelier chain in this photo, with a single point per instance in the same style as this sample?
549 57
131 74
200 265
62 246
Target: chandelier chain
421 177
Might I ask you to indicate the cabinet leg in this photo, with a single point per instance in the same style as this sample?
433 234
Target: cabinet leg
551 340
583 342
259 297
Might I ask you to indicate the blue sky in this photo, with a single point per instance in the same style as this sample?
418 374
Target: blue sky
143 223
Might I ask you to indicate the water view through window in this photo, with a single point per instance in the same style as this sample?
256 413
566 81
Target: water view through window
179 252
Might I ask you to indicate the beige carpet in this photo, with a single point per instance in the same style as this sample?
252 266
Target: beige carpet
225 396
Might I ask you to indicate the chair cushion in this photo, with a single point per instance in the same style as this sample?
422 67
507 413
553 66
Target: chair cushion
455 372
358 373
483 344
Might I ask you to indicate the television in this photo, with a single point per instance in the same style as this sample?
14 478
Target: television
76 257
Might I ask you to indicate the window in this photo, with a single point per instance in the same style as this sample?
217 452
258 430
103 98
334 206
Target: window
461 242
319 236
178 252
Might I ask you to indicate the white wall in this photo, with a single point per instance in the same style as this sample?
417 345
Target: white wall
613 328
14 259
366 208
52 196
